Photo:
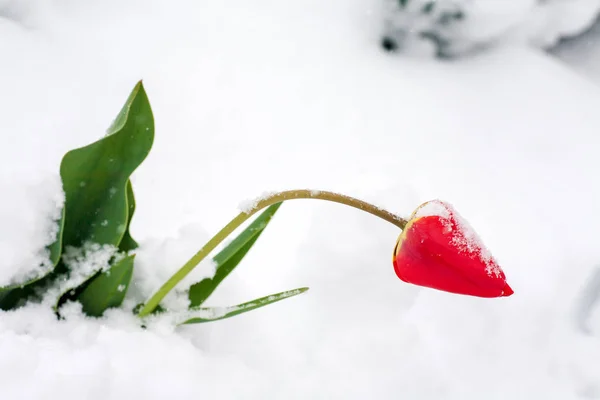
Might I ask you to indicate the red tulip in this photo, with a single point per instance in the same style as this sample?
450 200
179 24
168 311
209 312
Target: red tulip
439 250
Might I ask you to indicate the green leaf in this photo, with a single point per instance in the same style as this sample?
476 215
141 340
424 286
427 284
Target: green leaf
99 197
403 3
95 177
107 289
208 314
228 258
121 119
12 297
127 243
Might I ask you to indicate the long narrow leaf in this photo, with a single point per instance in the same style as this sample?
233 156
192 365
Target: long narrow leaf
230 257
207 314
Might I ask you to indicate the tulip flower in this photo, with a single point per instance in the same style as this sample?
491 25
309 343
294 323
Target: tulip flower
439 250
436 249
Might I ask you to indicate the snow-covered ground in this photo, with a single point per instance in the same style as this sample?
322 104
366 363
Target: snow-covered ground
265 95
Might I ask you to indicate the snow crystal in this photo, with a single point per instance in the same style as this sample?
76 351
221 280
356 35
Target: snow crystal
120 288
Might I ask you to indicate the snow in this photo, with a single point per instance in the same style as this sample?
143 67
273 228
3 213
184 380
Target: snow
83 263
159 258
28 214
248 206
434 208
266 96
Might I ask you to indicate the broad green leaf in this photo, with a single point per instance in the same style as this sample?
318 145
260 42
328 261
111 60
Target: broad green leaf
107 289
99 198
95 177
127 243
228 258
208 314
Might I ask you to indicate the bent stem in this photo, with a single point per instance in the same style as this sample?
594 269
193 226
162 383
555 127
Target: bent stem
264 202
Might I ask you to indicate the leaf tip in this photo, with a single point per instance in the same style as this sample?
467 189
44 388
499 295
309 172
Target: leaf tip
138 88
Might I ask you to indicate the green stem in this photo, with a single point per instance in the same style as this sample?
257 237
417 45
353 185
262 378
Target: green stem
244 216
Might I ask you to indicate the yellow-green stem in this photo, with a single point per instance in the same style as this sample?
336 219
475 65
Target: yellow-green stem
243 216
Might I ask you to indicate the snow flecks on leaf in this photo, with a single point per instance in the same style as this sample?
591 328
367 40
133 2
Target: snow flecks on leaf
83 263
197 315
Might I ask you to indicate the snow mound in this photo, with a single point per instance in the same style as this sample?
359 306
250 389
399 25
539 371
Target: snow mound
29 215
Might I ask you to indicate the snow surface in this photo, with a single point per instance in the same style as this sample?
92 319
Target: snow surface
267 95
